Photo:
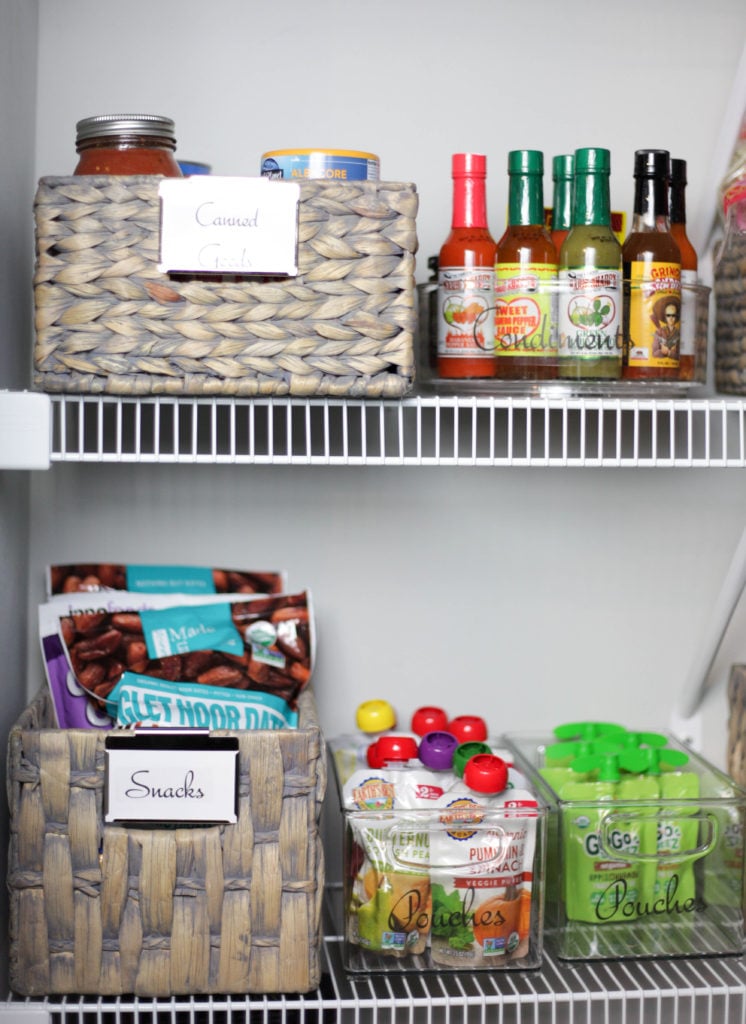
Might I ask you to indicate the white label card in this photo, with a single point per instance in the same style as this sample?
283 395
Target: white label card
216 225
187 777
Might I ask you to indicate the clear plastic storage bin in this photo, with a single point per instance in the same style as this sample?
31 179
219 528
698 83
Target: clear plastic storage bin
641 876
455 887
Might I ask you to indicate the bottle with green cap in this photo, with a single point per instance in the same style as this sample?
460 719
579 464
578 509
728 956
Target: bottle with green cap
525 277
590 277
562 178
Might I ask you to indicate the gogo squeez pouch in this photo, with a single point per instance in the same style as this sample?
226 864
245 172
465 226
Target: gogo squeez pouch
482 870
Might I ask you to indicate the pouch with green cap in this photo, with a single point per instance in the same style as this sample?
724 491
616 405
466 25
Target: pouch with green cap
677 831
587 730
607 848
559 757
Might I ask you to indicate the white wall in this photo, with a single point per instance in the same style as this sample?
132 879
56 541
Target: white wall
535 596
412 80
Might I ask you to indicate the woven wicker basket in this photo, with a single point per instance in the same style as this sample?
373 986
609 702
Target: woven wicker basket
111 910
107 321
730 322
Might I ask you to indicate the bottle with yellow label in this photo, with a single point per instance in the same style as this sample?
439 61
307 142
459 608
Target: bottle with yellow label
525 277
651 266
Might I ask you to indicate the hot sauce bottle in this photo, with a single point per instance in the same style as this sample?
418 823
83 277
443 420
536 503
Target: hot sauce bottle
466 277
651 264
687 353
562 177
590 276
525 341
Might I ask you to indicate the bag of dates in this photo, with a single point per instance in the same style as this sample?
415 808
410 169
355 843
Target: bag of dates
261 643
161 579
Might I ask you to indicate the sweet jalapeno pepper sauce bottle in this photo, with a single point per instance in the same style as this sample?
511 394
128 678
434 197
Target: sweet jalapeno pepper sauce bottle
525 270
126 144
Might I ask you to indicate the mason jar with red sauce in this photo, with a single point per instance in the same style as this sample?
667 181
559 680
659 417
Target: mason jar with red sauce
126 144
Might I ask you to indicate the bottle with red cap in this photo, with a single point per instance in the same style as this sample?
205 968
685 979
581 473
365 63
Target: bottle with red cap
428 719
466 277
391 748
468 727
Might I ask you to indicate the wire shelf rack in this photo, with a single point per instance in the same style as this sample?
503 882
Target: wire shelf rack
420 431
694 991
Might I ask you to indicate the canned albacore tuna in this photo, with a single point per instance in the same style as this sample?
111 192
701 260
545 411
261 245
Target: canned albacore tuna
330 164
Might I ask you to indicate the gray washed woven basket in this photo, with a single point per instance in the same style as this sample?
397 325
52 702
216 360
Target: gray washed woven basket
107 321
109 910
737 724
730 321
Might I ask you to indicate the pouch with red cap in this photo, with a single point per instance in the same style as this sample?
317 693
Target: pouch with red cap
481 868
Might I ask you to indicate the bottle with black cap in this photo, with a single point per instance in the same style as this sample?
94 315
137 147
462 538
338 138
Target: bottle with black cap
687 356
651 267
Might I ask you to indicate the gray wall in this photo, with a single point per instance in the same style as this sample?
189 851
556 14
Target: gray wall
18 41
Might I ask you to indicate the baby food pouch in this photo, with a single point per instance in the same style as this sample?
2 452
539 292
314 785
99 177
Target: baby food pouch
482 872
388 907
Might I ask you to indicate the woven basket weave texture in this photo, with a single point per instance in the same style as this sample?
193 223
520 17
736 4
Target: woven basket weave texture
737 724
730 322
112 910
107 321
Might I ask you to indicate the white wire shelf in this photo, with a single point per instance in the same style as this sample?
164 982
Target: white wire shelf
420 431
700 991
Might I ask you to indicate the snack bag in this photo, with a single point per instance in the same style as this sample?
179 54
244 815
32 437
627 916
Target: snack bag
74 708
259 643
91 577
139 700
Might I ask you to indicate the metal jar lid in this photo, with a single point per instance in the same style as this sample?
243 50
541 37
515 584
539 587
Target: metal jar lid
125 124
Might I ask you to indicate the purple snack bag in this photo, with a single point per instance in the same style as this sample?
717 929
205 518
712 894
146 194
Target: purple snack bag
72 707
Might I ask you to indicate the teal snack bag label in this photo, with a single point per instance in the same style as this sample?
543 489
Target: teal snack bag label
171 631
142 699
169 579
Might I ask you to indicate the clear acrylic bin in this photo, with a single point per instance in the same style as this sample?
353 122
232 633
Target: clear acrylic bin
556 379
408 907
635 878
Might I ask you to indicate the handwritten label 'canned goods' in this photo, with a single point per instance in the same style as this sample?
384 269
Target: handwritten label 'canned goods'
218 225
